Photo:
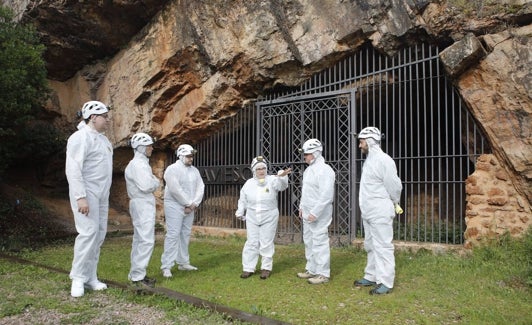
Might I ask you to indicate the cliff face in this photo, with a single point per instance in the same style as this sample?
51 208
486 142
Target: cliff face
176 68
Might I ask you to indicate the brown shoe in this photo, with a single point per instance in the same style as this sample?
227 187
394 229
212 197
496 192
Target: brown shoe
246 275
264 274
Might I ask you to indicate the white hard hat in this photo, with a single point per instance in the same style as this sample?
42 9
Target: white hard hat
141 139
93 107
185 150
257 160
370 132
312 145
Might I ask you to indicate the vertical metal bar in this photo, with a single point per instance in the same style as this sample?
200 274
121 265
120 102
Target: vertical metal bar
425 140
411 147
353 207
439 160
463 156
415 105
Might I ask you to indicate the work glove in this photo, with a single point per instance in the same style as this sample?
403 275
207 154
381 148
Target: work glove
398 209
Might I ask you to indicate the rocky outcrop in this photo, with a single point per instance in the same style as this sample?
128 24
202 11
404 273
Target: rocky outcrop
177 68
498 91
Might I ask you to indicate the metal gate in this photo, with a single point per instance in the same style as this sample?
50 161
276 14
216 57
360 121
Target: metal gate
284 125
428 132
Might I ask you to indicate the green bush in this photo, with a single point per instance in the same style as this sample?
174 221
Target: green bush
23 86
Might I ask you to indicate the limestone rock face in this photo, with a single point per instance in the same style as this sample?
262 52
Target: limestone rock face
78 33
498 90
197 61
178 68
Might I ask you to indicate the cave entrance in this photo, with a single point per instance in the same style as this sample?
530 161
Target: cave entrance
429 133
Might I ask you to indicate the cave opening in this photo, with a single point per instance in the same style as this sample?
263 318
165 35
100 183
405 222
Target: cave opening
429 133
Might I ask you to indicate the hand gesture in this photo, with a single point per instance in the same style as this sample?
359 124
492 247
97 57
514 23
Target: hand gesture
285 172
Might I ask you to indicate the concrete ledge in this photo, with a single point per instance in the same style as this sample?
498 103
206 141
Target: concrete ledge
218 232
414 247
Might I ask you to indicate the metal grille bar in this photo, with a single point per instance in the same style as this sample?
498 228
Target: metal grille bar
224 162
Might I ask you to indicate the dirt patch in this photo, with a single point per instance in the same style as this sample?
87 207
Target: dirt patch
34 218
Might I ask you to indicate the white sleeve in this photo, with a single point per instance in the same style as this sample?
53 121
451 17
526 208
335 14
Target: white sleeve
280 183
242 202
392 182
326 191
200 188
144 178
171 177
75 157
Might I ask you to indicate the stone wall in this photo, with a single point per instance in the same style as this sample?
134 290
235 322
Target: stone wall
494 207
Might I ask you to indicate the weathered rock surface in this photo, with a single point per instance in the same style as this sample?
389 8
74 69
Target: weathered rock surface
78 33
498 91
177 68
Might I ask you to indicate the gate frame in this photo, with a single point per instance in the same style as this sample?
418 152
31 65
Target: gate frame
347 216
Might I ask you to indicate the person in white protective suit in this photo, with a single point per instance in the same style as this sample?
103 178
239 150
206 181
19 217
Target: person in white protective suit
182 195
257 205
380 191
141 184
315 209
88 168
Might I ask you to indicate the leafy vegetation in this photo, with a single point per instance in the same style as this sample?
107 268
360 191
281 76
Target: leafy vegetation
23 88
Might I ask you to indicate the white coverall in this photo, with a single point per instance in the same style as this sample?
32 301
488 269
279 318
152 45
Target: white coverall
88 168
141 183
258 202
184 187
317 197
380 189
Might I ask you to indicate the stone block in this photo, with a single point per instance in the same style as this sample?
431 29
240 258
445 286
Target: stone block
502 175
498 200
461 55
483 166
472 180
476 200
474 190
495 191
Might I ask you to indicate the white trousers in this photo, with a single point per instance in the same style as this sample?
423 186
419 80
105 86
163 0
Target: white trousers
317 248
260 241
91 234
378 236
178 230
143 218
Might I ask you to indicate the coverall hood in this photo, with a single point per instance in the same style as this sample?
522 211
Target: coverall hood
373 145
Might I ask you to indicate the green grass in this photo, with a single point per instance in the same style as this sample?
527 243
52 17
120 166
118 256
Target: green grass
489 286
